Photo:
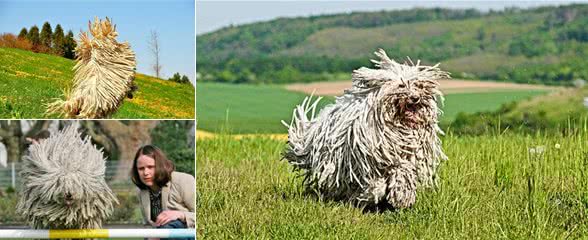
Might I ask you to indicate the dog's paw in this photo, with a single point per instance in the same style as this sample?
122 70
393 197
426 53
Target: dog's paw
400 197
401 189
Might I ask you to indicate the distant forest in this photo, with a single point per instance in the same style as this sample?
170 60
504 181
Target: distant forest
46 40
546 45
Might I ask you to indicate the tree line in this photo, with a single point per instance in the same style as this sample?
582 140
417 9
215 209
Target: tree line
179 78
49 40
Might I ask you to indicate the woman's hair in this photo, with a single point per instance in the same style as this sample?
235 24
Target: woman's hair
163 166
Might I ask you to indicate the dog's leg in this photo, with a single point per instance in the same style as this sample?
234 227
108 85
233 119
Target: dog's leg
372 195
402 183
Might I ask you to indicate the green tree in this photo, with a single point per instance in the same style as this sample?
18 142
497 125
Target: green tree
33 36
176 77
69 45
46 35
58 40
23 33
185 79
172 138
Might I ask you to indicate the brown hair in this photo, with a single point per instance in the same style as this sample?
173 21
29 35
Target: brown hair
163 166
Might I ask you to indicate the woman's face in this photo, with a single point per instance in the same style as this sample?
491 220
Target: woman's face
146 168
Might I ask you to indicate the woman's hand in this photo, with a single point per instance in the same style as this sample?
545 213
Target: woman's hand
168 216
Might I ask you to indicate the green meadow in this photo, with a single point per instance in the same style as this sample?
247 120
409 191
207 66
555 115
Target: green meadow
495 186
260 108
29 81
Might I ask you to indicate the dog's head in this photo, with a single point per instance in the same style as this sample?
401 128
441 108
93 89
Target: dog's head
404 94
64 175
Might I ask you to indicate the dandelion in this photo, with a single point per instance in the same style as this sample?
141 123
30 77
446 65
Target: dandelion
557 146
540 149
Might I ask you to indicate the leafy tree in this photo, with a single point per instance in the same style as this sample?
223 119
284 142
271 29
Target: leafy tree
531 45
58 40
69 45
33 36
185 79
23 33
46 35
577 30
176 77
172 138
179 78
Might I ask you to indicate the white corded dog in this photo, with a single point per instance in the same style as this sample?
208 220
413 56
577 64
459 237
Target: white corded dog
63 184
104 75
378 141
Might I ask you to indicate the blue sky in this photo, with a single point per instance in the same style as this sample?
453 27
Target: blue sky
215 14
172 19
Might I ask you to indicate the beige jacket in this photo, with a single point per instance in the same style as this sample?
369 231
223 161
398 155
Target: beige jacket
177 194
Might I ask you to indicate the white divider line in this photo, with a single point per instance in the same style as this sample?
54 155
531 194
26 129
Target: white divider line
24 233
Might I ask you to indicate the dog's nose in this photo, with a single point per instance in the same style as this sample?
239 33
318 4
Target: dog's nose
414 99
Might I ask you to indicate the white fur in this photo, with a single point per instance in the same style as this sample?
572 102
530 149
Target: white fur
365 148
65 164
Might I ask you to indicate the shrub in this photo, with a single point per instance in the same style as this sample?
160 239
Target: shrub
11 41
124 212
8 209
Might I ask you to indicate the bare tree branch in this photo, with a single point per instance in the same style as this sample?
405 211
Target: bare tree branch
155 50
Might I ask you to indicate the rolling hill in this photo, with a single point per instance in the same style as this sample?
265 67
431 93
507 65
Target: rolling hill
541 45
559 112
30 80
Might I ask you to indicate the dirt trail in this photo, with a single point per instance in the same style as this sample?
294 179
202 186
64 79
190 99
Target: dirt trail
447 86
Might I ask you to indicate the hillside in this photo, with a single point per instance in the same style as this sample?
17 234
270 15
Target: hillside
30 80
561 111
543 45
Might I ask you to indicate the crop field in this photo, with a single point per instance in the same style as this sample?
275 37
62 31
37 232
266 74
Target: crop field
246 108
495 186
259 109
29 81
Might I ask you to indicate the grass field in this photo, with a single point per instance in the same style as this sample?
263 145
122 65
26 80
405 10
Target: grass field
29 81
492 187
246 108
259 109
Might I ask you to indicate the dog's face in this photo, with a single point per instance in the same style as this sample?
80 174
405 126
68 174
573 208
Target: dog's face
69 190
405 94
69 193
410 102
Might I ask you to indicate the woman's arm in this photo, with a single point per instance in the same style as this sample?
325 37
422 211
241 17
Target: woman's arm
189 189
181 203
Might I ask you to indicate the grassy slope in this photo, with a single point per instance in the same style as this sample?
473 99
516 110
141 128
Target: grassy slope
30 80
252 109
408 37
557 107
485 101
245 191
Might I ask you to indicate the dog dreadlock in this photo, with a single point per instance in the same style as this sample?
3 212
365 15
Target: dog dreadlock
378 141
63 183
104 74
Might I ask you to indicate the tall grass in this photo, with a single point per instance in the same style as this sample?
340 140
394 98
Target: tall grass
498 186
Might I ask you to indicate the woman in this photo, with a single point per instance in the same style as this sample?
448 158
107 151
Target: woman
166 196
